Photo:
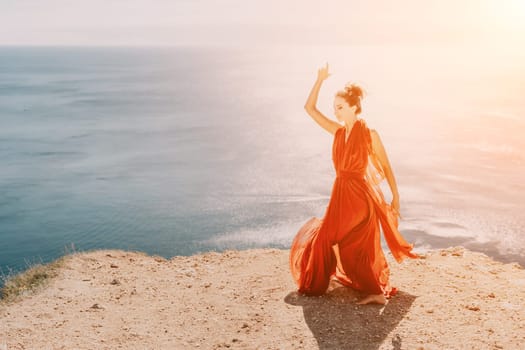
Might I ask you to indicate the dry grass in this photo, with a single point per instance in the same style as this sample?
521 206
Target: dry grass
36 276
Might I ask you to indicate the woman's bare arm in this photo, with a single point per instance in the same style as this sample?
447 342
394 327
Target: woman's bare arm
379 150
310 105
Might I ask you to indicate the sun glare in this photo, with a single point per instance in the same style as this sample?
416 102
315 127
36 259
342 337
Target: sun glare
511 13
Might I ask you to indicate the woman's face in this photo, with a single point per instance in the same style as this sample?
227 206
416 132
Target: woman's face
342 110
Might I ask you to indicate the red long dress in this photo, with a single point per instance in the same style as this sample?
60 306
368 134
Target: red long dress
354 215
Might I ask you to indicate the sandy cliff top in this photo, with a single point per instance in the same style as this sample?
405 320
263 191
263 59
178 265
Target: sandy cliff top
109 299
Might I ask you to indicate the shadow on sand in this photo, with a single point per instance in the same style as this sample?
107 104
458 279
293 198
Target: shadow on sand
337 322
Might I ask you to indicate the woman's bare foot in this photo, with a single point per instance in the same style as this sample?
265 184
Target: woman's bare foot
373 298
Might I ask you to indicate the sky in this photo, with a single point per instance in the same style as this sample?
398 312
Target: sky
261 22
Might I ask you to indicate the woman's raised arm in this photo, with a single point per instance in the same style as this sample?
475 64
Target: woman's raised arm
310 105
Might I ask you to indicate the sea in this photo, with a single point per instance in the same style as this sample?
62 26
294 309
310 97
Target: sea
186 149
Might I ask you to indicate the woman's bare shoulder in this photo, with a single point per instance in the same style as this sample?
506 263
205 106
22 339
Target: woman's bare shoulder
375 140
334 128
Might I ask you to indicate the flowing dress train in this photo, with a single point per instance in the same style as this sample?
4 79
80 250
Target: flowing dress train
353 220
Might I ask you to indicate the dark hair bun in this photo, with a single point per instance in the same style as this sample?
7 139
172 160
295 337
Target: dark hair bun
354 90
352 95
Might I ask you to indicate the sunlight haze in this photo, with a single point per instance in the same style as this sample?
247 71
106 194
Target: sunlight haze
235 22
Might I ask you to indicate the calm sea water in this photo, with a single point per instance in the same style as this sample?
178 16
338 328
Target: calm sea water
173 151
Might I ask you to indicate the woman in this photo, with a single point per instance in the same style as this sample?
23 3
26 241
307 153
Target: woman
345 244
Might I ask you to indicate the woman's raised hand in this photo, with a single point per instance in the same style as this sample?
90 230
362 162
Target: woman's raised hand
322 73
